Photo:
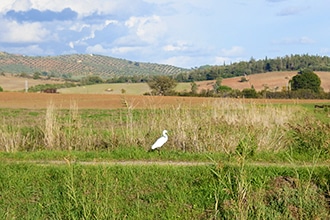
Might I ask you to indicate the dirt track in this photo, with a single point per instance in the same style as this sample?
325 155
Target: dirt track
159 163
98 101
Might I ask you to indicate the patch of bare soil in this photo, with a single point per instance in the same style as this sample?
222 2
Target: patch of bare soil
113 101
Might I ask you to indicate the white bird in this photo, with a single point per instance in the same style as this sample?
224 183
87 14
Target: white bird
161 141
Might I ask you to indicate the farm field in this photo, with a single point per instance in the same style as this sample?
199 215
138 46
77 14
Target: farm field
85 156
109 101
272 80
13 83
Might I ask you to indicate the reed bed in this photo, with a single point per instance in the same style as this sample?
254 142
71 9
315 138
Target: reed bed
215 126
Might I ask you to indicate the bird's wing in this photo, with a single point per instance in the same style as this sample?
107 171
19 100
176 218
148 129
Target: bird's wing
159 143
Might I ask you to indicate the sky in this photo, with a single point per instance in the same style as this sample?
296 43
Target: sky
183 33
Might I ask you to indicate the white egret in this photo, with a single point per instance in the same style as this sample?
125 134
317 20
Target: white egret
161 141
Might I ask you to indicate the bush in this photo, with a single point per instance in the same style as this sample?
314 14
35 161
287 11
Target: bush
310 136
1 89
249 93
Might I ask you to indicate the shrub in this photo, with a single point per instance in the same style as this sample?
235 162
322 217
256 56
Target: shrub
310 136
249 93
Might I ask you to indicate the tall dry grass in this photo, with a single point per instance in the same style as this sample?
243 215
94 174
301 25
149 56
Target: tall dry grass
219 125
222 124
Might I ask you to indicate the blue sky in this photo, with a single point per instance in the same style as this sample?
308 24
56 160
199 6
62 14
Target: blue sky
184 33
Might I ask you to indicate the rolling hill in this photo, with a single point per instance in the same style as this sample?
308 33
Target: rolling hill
272 80
80 65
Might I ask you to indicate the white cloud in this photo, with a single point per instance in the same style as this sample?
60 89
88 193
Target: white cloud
82 7
178 46
148 29
221 60
118 51
233 52
125 50
21 5
13 32
180 61
97 49
71 44
32 49
91 29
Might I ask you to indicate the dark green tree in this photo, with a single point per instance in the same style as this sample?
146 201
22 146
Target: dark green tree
1 89
90 80
249 93
306 79
162 85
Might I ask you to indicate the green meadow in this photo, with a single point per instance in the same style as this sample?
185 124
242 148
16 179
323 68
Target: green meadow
224 160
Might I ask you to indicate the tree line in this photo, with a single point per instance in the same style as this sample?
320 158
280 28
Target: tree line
306 85
253 66
287 63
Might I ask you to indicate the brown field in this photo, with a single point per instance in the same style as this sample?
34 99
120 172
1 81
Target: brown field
13 83
107 101
272 80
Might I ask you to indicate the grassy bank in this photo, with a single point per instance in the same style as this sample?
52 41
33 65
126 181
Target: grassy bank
221 126
73 191
264 161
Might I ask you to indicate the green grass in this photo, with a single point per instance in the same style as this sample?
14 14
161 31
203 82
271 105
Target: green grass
260 162
73 191
116 192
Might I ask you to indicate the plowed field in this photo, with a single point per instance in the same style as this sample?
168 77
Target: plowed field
107 101
275 81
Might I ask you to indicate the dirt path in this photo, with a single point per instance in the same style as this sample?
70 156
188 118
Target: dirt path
162 163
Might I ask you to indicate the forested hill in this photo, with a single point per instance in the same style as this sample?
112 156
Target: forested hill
287 63
80 65
77 66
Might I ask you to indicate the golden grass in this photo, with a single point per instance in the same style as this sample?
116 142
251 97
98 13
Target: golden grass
13 83
214 125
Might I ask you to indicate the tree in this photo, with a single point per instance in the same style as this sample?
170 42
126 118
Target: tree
249 93
36 75
162 85
1 89
306 79
194 88
217 84
90 80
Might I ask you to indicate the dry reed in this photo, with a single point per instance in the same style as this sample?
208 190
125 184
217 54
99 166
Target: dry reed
216 126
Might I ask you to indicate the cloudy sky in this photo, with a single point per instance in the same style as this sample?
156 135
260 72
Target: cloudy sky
184 33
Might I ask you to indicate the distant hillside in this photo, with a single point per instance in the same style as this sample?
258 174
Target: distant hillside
274 81
80 65
242 68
